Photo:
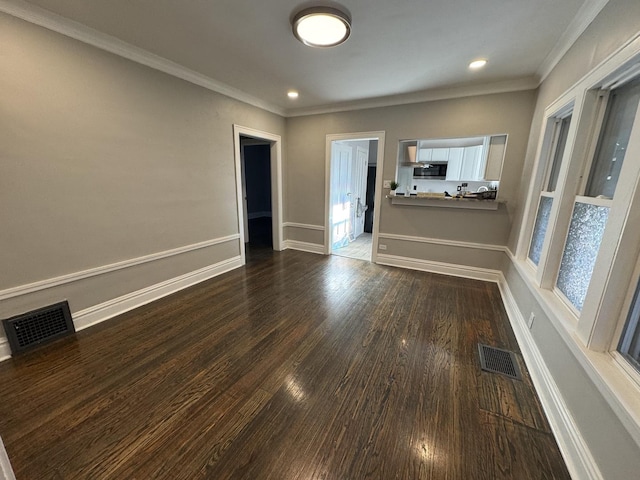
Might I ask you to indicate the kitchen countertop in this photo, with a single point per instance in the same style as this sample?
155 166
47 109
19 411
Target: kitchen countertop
446 202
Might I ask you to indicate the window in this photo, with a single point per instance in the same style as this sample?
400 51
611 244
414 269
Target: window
614 138
629 345
559 127
562 131
579 242
588 222
591 210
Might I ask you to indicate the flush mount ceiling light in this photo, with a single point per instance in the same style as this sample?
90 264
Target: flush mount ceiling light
477 64
292 94
321 26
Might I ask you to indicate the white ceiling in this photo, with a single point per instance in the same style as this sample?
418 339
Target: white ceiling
398 52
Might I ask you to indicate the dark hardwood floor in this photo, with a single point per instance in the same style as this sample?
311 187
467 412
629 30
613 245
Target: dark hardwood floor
298 366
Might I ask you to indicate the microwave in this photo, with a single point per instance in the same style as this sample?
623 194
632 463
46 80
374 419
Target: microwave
431 171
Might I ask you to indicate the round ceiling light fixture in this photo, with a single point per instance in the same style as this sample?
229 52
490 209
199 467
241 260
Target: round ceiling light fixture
321 26
476 64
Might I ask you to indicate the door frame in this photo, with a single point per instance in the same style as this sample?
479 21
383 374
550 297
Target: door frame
375 135
275 141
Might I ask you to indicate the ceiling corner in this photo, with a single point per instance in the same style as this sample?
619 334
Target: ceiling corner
587 13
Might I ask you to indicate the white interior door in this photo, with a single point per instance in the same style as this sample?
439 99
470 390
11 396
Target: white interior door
359 192
341 163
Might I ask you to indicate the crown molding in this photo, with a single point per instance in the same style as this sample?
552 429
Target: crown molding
587 13
528 83
70 28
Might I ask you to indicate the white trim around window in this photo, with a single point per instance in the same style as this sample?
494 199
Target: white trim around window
595 329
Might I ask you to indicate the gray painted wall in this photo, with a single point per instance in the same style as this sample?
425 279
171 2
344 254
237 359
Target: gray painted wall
104 160
472 116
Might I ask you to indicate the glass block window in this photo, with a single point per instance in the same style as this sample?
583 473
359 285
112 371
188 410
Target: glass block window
621 112
540 228
629 345
581 249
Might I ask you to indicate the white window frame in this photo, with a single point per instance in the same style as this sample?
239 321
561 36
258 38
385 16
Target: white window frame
549 149
595 334
630 370
615 262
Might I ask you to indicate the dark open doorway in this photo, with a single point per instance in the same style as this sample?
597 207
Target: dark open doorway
257 177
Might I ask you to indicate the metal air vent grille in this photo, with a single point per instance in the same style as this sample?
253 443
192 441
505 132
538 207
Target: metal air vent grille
500 361
44 325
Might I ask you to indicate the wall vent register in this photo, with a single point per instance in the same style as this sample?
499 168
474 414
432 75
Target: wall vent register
32 329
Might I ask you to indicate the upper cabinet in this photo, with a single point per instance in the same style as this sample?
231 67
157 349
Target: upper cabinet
472 168
467 159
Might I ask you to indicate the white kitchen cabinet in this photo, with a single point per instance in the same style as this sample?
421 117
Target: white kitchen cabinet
425 154
454 166
472 163
465 164
473 159
440 154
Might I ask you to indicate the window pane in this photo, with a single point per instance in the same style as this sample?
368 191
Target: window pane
580 251
612 144
540 229
557 156
630 341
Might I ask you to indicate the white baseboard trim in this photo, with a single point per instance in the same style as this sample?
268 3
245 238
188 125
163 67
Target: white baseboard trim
475 273
304 246
5 350
109 309
441 241
117 306
92 272
6 472
306 226
575 451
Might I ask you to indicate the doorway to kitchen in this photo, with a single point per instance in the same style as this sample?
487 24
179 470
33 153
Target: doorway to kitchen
353 162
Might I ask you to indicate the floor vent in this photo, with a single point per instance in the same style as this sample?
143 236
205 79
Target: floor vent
35 328
497 360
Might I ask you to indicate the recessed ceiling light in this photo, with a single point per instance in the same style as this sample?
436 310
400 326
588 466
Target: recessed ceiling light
321 26
477 64
292 94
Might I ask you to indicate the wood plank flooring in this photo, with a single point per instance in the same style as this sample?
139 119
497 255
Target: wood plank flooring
297 366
